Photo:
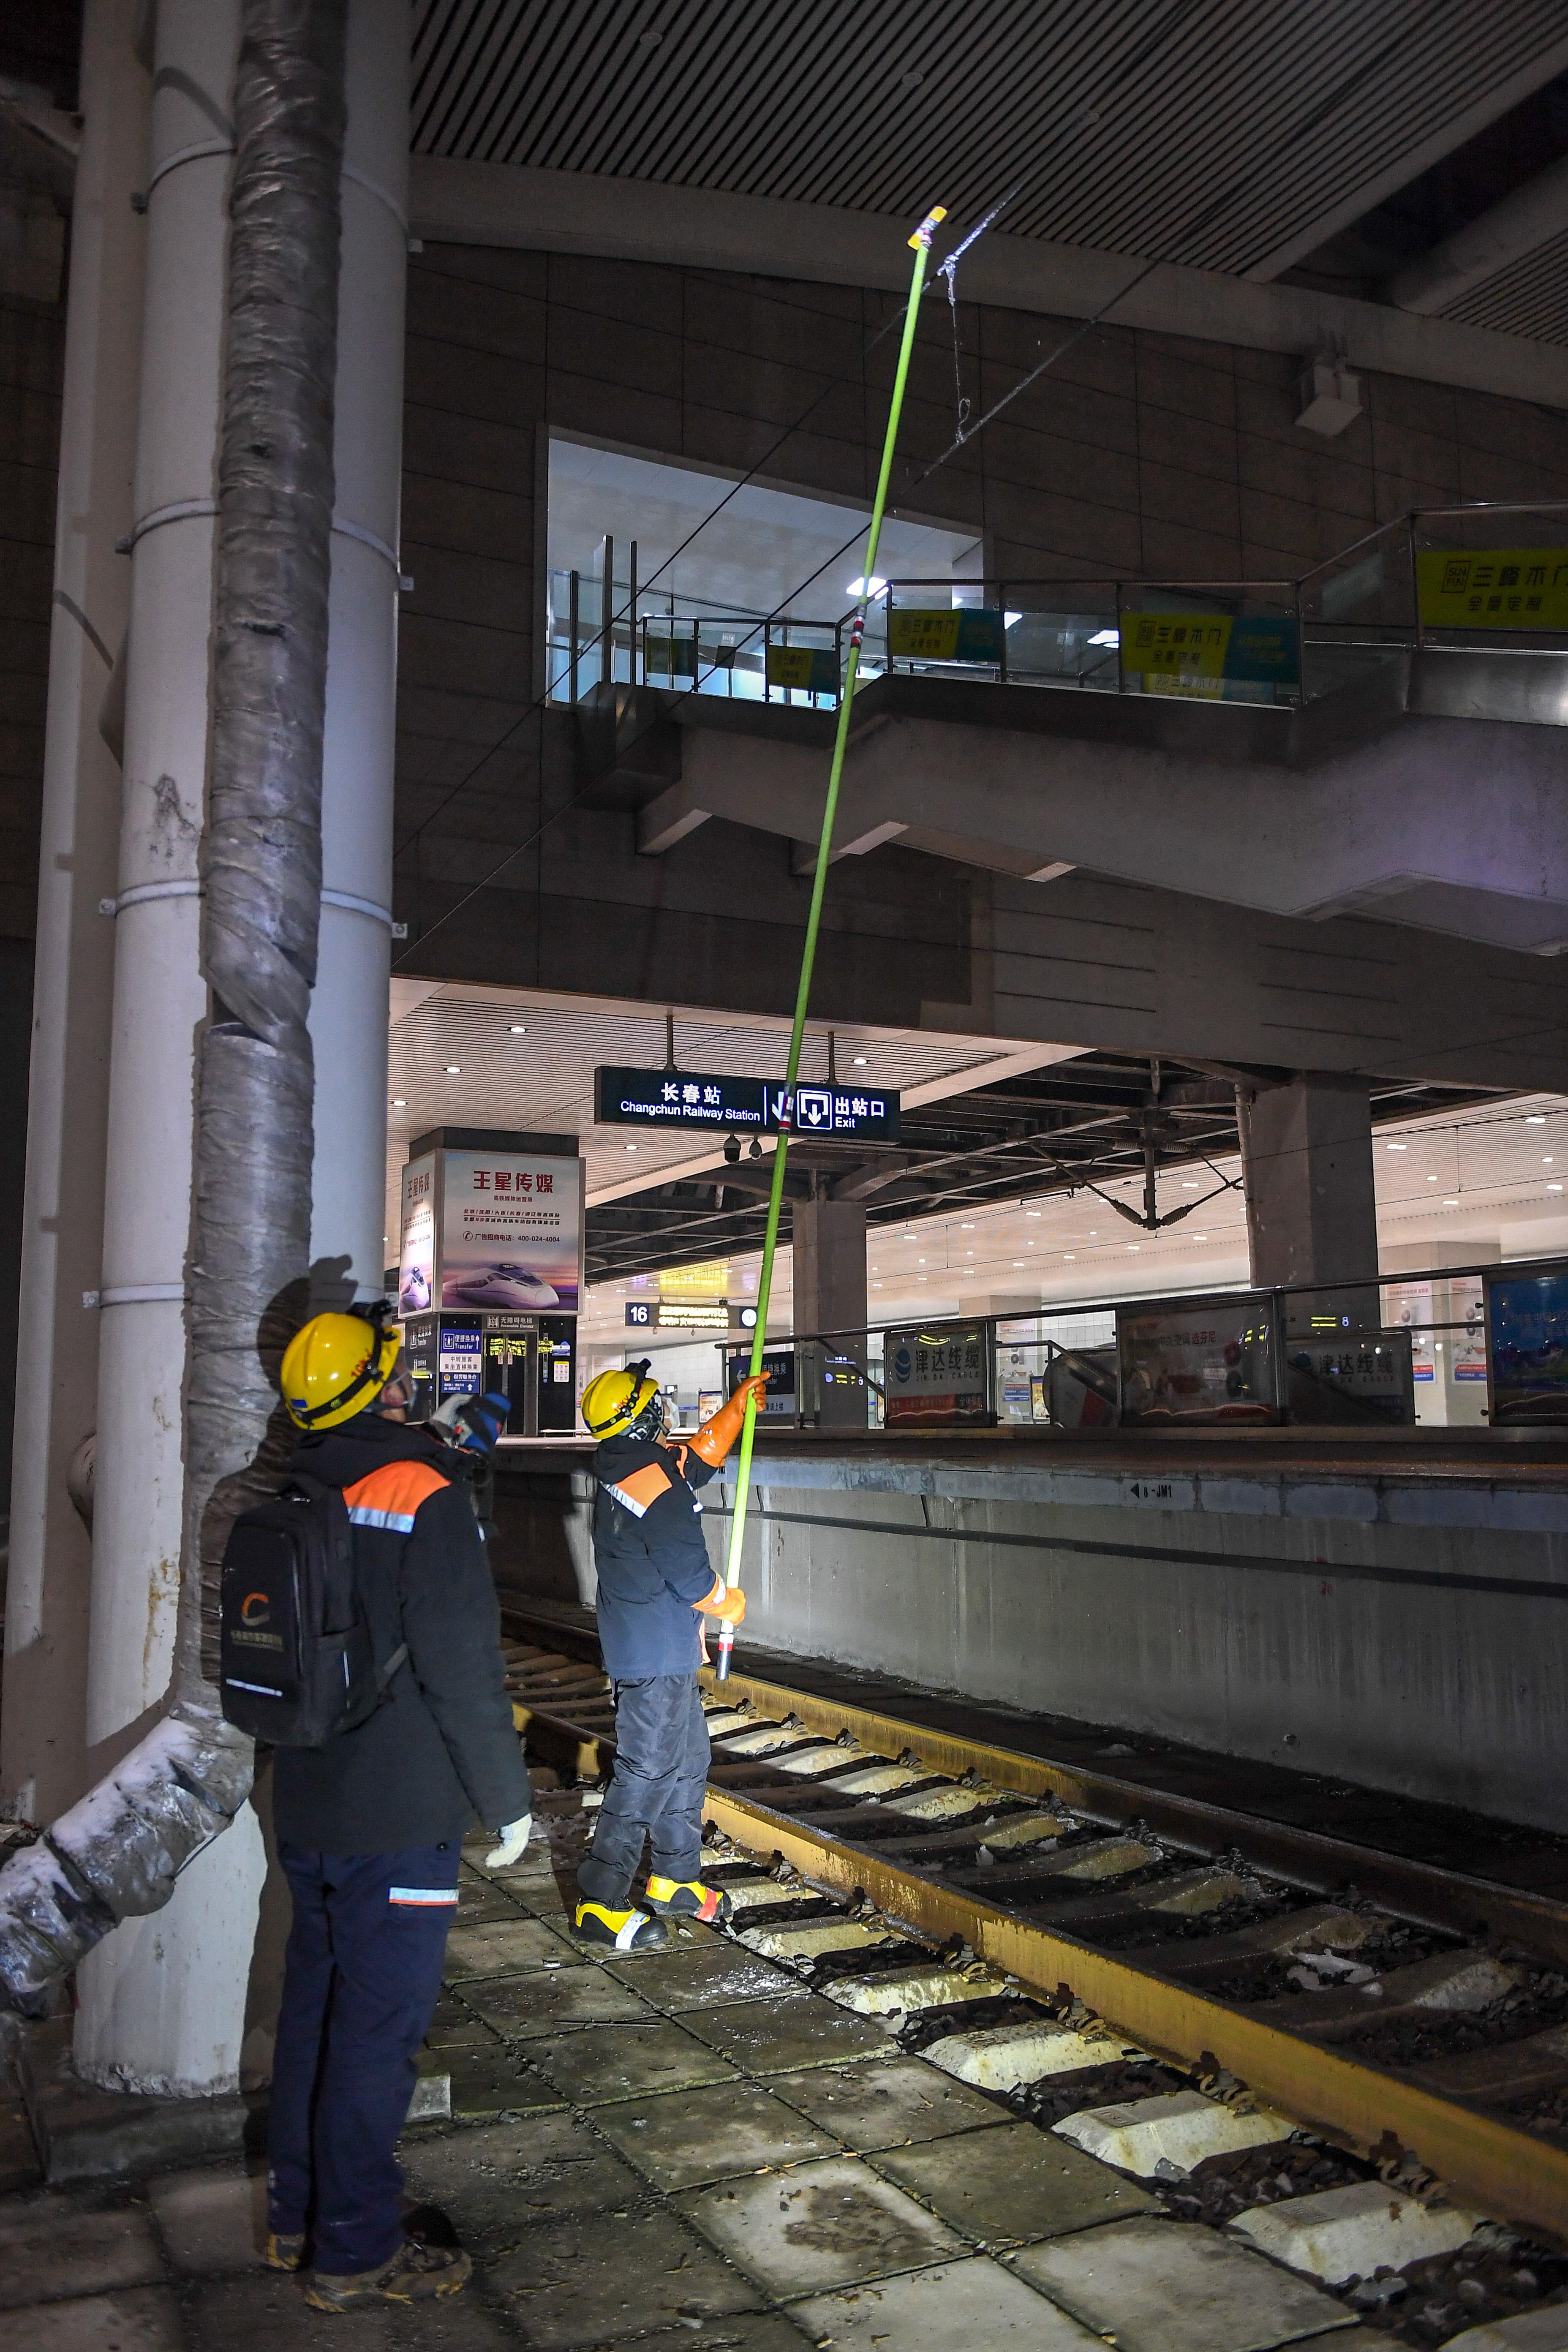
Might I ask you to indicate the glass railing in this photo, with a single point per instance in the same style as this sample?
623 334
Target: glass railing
1486 579
1465 1348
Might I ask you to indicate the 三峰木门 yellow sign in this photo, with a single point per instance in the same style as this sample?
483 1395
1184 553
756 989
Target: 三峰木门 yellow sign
1494 588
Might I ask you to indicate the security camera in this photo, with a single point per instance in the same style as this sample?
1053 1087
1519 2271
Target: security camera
756 1151
732 1149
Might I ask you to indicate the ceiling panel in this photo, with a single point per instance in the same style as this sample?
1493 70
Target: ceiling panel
542 1082
1214 136
1529 298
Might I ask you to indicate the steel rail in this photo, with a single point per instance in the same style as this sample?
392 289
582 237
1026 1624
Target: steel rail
1484 2160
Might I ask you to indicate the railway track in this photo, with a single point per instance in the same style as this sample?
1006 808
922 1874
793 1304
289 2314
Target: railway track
1413 2015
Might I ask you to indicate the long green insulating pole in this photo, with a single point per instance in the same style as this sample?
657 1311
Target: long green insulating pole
921 241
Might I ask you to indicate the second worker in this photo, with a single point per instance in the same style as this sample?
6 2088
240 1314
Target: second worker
656 1584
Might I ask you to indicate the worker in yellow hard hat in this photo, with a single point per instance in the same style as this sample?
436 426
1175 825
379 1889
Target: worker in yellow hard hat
657 1584
370 1822
338 1365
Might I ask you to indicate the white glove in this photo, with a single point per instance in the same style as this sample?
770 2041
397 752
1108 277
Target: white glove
513 1844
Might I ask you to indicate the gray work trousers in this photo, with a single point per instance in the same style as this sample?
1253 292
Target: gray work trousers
661 1773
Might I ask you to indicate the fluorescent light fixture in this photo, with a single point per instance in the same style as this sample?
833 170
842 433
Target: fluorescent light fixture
1069 1254
1554 1188
1106 637
400 1102
631 1147
1535 1119
863 587
1451 1205
519 1029
1397 1147
1189 1183
859 1061
454 1069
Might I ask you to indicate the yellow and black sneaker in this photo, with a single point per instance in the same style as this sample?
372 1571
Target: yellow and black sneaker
285 2250
415 2273
688 1898
618 1931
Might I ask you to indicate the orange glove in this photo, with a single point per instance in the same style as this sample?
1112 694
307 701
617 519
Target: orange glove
724 1600
713 1441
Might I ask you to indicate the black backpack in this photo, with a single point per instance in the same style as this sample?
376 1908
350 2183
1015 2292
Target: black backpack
296 1663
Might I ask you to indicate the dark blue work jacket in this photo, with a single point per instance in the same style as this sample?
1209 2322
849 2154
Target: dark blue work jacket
651 1560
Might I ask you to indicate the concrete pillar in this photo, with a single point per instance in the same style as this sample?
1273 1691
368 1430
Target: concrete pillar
829 1238
349 1008
42 1724
1311 1215
162 1999
159 999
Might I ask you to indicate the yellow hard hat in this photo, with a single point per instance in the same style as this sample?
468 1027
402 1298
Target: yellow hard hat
613 1401
336 1366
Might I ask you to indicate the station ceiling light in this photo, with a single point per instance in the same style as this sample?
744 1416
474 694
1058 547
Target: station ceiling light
859 1061
454 1069
1535 1119
1451 1205
1396 1147
400 1102
518 1029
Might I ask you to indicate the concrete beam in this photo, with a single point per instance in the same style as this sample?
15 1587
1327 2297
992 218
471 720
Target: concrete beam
668 819
459 203
1388 825
1406 163
1519 225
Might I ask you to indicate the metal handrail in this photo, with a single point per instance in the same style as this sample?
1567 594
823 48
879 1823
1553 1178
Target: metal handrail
1119 590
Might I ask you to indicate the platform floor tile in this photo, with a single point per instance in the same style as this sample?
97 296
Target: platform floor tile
494 2081
771 2037
888 2105
269 2314
958 2307
141 2319
526 2007
1174 2286
740 2331
818 2226
626 2061
493 1948
607 2275
211 2219
718 1972
50 2243
500 2176
1013 2184
689 2138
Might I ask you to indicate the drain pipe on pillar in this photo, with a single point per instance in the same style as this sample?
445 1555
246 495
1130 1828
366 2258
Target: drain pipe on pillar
921 241
119 1850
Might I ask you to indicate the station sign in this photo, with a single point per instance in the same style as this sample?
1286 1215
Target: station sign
678 1315
698 1102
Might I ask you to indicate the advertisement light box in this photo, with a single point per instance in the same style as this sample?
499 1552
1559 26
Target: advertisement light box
692 1101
